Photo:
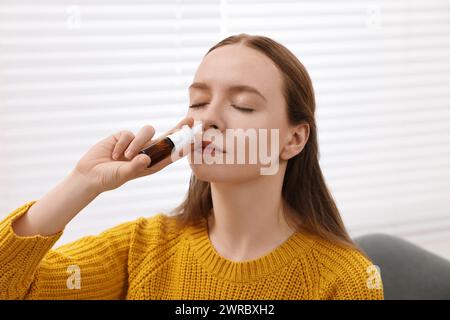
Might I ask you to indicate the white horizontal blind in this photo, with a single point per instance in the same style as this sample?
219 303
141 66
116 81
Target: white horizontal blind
75 72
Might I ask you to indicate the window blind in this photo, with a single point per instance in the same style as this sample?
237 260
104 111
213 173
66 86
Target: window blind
74 72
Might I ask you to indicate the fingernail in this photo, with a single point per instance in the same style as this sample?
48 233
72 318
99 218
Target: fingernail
115 156
128 154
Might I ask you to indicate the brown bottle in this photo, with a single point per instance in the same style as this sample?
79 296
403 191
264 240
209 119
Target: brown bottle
161 149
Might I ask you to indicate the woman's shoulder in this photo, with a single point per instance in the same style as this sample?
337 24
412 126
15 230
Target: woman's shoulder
335 256
346 272
155 238
158 232
159 226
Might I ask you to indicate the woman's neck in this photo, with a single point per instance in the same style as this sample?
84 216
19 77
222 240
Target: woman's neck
248 220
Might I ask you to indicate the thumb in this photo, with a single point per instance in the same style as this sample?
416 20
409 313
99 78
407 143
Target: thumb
131 168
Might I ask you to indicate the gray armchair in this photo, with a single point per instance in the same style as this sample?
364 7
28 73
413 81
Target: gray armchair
407 271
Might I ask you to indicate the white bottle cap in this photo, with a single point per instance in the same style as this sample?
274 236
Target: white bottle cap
184 136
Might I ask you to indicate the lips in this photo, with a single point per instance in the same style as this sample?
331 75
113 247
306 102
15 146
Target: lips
212 146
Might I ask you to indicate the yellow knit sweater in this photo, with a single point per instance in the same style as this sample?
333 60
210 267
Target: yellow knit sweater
150 258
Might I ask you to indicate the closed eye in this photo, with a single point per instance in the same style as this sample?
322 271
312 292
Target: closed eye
242 109
197 105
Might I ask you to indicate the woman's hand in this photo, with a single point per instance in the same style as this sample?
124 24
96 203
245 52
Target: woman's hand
115 160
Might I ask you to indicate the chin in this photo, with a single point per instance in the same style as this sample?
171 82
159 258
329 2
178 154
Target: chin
230 173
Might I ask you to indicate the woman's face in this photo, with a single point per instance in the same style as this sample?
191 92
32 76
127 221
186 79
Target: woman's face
236 87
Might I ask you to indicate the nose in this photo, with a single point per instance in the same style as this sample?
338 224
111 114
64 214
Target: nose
211 117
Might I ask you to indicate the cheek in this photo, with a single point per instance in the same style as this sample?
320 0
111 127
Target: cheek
278 129
269 137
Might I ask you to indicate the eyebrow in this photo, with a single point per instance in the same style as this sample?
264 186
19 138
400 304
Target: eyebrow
235 88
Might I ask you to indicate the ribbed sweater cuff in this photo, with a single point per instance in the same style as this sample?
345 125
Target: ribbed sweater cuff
22 254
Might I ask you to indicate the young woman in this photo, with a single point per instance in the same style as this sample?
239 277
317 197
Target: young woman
239 234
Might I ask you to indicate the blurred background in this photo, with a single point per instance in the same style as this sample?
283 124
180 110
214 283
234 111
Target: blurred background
74 72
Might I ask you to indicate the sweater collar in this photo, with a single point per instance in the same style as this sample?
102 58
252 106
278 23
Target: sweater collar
296 245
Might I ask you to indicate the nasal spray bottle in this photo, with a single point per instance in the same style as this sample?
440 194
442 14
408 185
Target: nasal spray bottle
162 149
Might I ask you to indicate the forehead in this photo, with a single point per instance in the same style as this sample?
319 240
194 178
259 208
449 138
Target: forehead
239 64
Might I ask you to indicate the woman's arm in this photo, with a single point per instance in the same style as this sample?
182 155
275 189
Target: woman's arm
93 267
28 269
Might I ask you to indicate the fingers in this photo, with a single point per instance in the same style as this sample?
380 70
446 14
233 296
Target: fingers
124 138
142 138
129 169
128 145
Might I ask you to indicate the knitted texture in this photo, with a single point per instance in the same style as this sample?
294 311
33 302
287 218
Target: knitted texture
153 258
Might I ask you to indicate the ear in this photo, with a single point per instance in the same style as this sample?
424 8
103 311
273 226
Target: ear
296 141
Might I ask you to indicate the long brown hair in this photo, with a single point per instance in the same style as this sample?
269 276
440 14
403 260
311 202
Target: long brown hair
304 188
